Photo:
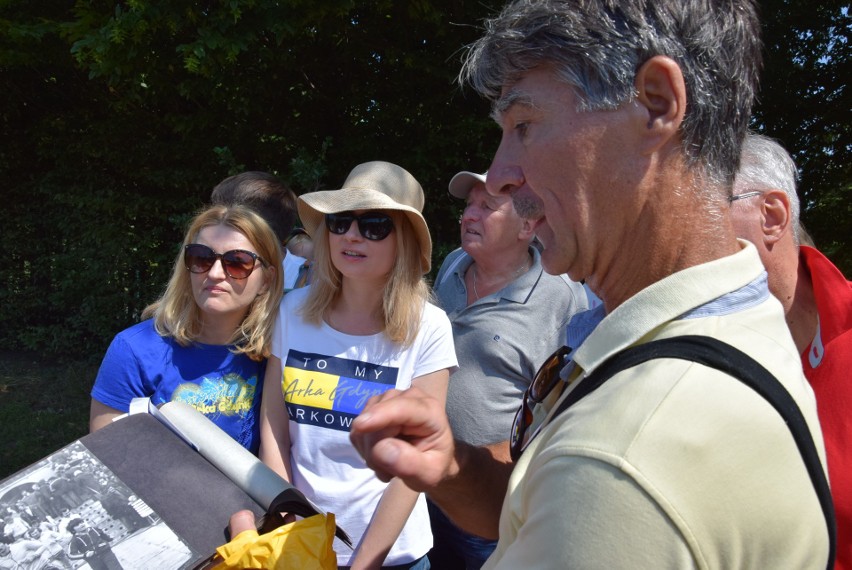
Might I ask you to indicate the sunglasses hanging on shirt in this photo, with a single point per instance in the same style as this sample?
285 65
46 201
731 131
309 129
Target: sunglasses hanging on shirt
542 385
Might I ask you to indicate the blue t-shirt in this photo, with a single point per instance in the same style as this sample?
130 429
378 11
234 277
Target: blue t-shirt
224 386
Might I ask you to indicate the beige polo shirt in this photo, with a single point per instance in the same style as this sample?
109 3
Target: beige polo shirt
671 464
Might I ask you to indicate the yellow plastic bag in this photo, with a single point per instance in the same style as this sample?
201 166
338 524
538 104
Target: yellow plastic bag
304 544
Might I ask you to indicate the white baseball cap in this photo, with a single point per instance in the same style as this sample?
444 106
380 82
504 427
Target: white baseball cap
461 183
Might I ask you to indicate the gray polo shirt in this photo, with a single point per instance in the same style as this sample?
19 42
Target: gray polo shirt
501 340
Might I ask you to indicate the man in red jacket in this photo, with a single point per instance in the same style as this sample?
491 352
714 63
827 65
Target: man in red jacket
817 301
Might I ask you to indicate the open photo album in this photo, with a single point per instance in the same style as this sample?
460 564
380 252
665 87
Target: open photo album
154 489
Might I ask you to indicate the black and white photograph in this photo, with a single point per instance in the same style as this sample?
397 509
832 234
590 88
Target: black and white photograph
70 511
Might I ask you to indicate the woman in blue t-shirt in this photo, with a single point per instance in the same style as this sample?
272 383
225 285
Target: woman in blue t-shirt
206 340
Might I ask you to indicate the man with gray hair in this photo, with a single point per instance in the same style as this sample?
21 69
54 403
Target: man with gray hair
508 315
624 120
817 302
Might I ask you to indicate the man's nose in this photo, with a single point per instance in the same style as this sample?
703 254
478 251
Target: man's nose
503 178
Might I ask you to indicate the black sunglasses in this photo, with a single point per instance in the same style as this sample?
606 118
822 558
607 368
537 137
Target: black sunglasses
541 386
373 226
237 263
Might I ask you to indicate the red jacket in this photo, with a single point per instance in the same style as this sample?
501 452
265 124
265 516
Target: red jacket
828 367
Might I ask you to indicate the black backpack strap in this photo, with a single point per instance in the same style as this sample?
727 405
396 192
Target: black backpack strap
733 362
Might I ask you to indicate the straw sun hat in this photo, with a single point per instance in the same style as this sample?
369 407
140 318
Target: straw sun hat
372 186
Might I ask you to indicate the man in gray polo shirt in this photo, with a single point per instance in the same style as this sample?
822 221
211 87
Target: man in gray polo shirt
508 316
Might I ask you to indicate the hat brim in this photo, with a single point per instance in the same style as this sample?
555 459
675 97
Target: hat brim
315 205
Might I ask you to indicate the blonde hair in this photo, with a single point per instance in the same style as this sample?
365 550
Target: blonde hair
176 314
405 292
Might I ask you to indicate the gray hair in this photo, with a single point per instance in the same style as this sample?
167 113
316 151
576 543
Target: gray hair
597 46
764 165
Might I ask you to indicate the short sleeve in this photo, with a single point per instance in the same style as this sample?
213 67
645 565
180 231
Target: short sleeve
119 378
436 348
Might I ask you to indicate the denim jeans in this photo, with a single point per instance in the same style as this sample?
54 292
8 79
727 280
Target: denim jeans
419 564
454 548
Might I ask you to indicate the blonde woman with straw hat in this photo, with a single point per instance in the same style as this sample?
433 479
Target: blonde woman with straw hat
363 327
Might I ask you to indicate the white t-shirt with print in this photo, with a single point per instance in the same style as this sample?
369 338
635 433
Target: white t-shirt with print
328 378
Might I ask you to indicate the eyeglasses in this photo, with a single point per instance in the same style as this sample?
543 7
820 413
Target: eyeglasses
541 386
372 225
237 263
744 195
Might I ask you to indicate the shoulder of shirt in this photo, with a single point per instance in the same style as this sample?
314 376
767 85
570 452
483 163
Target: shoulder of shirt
563 286
452 256
141 329
295 297
432 308
820 266
432 312
450 264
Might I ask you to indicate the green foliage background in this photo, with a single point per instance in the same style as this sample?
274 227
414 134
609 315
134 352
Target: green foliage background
119 118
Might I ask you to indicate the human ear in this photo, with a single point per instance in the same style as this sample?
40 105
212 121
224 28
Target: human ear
661 97
268 274
774 215
527 231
